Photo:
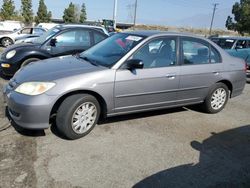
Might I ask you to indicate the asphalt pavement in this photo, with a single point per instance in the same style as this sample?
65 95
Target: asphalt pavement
179 147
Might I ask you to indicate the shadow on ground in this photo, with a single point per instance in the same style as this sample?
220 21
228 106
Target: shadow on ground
224 163
140 115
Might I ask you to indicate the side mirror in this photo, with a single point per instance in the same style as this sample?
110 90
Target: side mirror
53 42
134 64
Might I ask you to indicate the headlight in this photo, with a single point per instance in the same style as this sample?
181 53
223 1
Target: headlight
10 54
34 88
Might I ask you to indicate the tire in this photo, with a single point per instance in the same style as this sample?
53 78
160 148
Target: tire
28 61
6 41
68 114
216 99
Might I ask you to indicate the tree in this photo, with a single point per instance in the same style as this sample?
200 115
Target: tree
83 16
69 15
229 23
27 12
7 11
42 14
241 12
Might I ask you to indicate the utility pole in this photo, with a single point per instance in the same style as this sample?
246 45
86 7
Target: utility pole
212 21
135 13
114 13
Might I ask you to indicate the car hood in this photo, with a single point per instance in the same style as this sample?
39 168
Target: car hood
23 45
55 68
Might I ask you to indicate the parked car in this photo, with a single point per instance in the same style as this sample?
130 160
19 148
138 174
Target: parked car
10 25
245 55
34 33
101 29
120 75
232 42
47 25
9 39
59 41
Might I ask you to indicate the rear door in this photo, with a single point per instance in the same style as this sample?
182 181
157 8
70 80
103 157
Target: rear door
201 68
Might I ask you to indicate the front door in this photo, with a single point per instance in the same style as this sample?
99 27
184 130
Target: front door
154 86
71 42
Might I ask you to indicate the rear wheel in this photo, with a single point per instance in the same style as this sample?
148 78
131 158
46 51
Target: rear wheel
6 41
216 99
77 115
28 61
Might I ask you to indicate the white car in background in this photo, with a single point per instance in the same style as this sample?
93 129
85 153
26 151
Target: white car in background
20 34
10 26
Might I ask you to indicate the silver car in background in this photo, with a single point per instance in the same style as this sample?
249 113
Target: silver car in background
126 73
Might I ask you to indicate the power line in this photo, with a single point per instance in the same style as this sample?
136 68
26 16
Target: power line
214 9
115 12
135 12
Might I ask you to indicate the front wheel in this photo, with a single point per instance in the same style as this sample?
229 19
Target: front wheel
216 99
77 115
6 42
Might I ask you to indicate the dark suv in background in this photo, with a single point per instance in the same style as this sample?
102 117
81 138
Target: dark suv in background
232 42
58 41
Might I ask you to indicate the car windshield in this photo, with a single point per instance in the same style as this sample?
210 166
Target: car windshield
224 43
112 49
46 35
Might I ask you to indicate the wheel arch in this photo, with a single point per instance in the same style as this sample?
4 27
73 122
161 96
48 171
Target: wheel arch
228 84
99 98
39 56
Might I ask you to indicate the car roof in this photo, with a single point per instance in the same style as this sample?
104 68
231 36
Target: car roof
232 38
148 33
65 26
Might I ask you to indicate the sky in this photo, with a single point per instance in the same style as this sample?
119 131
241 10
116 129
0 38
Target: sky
182 13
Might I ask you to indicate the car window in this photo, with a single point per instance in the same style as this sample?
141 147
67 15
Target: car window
26 31
110 50
74 38
242 44
38 31
194 52
224 42
98 37
157 53
215 56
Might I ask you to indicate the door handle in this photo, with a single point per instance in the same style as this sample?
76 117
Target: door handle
171 76
216 73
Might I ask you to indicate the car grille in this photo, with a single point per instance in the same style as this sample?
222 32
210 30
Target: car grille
12 84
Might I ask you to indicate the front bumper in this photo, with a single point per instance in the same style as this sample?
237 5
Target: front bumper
10 71
30 112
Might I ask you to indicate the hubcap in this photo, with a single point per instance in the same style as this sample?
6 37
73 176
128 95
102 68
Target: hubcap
7 42
218 98
84 117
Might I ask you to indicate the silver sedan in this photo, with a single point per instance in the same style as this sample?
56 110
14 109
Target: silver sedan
126 73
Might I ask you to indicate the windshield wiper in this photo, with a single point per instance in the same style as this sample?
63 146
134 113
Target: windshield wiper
88 60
